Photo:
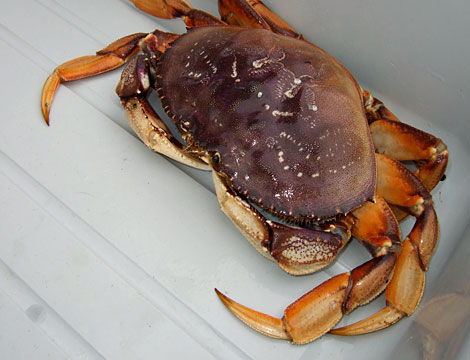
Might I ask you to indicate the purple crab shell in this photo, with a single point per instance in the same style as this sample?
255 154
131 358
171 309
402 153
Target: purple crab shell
283 120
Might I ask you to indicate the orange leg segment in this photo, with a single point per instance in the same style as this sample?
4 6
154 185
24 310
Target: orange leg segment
399 186
107 59
404 142
375 225
316 312
171 9
254 14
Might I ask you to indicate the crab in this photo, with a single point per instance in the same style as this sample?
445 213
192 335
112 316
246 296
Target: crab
302 157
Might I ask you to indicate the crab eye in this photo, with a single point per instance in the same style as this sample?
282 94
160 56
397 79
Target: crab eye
215 159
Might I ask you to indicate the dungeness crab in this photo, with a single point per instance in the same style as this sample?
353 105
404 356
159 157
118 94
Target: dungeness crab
286 130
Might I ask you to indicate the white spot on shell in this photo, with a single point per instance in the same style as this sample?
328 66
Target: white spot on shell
234 69
300 174
282 113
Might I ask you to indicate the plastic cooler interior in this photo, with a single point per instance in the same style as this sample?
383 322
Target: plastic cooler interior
109 250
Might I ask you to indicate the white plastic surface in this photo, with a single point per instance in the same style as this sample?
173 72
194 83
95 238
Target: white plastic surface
108 250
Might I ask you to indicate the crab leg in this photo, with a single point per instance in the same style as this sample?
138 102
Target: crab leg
253 13
400 187
316 312
404 142
109 58
171 9
375 109
376 227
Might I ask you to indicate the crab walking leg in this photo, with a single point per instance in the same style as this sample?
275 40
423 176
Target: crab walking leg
398 186
375 109
316 312
404 292
376 227
107 59
404 142
111 57
171 9
253 13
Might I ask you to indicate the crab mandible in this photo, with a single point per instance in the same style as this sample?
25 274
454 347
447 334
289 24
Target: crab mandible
285 127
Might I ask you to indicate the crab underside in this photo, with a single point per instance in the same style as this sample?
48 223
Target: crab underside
285 129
